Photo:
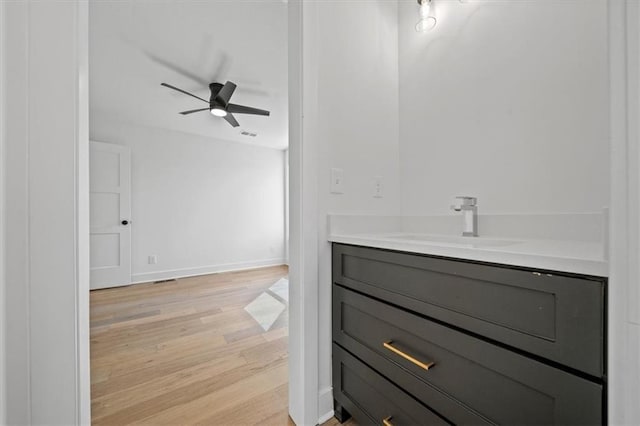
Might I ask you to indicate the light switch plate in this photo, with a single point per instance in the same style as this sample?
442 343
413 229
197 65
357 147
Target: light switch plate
337 181
378 187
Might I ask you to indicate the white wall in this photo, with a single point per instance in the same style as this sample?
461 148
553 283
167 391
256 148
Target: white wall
355 128
200 204
47 286
3 282
14 166
624 279
506 101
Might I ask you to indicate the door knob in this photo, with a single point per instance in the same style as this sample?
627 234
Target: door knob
125 222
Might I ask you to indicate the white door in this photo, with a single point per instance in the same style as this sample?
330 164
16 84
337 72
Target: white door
110 204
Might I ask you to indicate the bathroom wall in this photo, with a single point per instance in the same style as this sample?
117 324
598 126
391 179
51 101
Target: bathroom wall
506 101
354 118
200 204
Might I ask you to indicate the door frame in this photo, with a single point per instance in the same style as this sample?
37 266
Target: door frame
303 223
303 233
3 385
624 229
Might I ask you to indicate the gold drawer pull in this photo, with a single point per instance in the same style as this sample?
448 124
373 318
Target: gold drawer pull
408 357
387 421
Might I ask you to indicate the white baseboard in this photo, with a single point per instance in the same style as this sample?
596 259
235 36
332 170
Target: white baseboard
325 417
325 404
203 270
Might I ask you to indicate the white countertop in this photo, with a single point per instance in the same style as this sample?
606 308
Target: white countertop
580 257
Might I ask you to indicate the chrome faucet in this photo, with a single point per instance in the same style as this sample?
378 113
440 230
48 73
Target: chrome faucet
469 209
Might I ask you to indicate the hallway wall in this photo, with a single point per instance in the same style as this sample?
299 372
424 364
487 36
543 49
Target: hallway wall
200 204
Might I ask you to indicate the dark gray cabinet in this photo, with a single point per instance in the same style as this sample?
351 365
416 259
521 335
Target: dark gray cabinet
463 341
375 398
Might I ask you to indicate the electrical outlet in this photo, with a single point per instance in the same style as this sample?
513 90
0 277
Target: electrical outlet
378 187
153 259
337 181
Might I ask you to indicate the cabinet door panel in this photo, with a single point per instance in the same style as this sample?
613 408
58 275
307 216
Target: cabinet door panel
370 398
472 381
550 315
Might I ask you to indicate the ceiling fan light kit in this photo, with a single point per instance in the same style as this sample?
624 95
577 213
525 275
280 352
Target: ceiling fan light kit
219 105
218 112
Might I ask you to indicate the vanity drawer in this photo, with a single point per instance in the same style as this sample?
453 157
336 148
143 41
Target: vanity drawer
471 381
554 316
370 398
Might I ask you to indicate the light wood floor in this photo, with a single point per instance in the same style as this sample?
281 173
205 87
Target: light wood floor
186 352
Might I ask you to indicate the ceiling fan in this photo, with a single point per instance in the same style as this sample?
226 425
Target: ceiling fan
219 103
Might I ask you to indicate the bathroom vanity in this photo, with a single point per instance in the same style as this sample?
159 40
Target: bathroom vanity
421 339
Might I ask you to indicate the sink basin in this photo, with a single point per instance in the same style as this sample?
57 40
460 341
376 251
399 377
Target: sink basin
473 242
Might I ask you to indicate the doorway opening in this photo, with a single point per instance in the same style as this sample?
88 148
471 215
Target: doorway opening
188 213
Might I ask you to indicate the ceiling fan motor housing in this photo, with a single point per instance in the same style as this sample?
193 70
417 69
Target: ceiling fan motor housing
215 89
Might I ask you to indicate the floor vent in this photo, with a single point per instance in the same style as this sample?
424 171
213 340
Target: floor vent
165 281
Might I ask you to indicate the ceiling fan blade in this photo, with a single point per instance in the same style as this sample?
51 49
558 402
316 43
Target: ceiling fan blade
182 91
225 93
241 109
176 68
231 120
222 68
194 110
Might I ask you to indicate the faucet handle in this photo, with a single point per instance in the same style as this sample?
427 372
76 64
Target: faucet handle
466 201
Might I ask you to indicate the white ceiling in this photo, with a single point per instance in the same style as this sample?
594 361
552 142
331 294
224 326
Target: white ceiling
136 45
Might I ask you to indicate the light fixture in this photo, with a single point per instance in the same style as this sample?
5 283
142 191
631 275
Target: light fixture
426 22
218 112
